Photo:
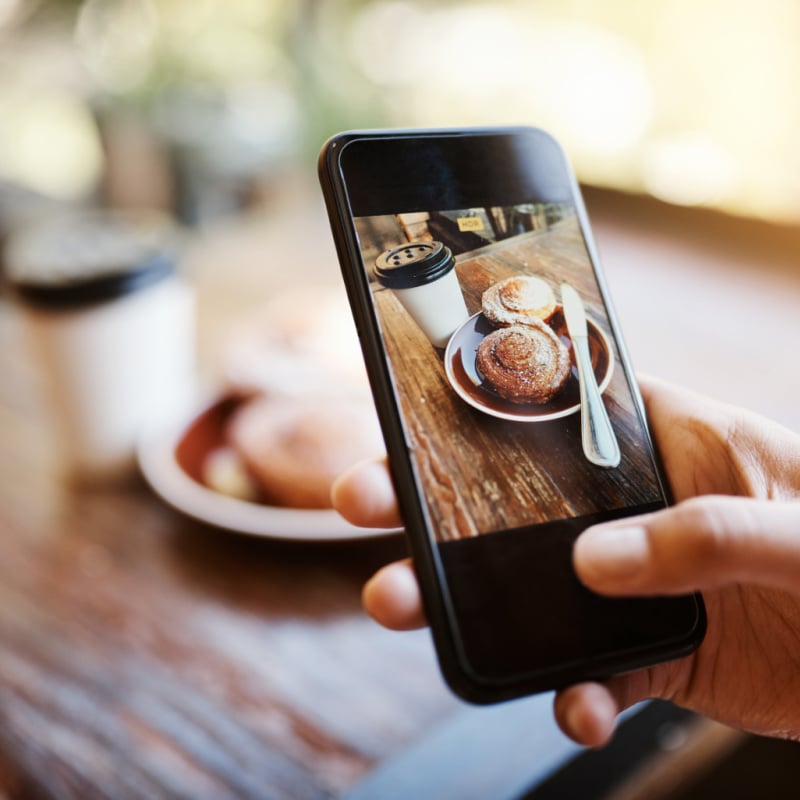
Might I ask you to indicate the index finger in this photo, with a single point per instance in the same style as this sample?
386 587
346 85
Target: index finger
392 598
364 495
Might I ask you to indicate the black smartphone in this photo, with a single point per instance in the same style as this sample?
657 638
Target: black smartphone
510 413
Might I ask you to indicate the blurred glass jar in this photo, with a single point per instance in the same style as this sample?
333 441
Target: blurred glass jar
111 323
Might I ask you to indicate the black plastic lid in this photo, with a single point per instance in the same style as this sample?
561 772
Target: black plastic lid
413 264
89 257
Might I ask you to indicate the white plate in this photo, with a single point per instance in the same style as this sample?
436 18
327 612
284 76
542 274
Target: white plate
157 453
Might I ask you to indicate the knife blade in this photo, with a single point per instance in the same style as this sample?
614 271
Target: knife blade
599 442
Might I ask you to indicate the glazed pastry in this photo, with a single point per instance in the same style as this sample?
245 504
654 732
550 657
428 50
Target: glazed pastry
524 363
296 447
518 300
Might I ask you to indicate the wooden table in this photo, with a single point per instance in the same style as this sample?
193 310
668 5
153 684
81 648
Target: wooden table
144 655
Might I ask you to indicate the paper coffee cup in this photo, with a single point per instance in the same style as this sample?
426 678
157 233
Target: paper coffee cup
111 325
423 278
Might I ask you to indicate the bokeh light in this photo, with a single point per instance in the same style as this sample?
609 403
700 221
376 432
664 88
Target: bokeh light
48 142
692 101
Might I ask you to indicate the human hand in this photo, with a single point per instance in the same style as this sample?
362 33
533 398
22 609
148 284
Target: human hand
744 554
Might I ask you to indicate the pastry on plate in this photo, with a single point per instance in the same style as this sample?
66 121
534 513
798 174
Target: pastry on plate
519 299
296 447
524 363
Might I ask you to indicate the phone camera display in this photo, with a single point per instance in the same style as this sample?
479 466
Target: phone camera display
502 355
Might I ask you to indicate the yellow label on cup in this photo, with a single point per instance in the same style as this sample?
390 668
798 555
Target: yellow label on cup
470 223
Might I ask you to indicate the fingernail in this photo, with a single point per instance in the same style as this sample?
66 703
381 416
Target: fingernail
612 552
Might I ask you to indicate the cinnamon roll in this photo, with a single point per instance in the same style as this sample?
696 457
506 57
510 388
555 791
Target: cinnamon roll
524 363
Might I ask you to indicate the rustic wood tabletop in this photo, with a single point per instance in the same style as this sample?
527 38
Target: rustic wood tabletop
147 655
143 654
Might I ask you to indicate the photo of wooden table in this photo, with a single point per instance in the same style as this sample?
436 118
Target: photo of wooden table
485 474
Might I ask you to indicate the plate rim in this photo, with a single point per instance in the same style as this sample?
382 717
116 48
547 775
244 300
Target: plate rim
159 466
467 398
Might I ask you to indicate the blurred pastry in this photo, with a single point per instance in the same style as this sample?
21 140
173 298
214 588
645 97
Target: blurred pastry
296 447
518 300
524 363
302 342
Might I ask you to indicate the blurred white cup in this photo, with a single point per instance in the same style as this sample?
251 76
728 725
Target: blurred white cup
111 324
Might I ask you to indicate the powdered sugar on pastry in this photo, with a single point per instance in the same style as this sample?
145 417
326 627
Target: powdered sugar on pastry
524 363
519 299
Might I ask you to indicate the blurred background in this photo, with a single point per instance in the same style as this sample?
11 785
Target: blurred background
682 120
680 117
197 104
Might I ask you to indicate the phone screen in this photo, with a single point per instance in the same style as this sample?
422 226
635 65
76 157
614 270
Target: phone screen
467 248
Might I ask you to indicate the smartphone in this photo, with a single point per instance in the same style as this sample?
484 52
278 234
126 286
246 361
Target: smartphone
510 412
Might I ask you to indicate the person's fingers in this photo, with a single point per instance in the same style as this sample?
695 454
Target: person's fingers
587 713
651 387
657 390
668 400
700 544
392 597
364 495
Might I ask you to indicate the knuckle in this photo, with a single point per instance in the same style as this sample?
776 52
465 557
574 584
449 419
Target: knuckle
702 525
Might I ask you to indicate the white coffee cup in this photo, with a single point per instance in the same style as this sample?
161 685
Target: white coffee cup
111 324
423 278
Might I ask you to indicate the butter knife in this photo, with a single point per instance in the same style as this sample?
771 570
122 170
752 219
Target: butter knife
597 436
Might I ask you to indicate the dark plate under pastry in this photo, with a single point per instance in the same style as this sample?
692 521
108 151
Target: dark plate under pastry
460 368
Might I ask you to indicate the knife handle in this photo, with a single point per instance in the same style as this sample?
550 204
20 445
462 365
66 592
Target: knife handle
600 444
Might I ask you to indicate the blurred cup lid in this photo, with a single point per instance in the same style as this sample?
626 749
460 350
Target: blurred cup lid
86 257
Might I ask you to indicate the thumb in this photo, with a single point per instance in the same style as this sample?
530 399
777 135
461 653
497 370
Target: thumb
702 543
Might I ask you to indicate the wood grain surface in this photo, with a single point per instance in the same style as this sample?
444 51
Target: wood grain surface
145 655
485 474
